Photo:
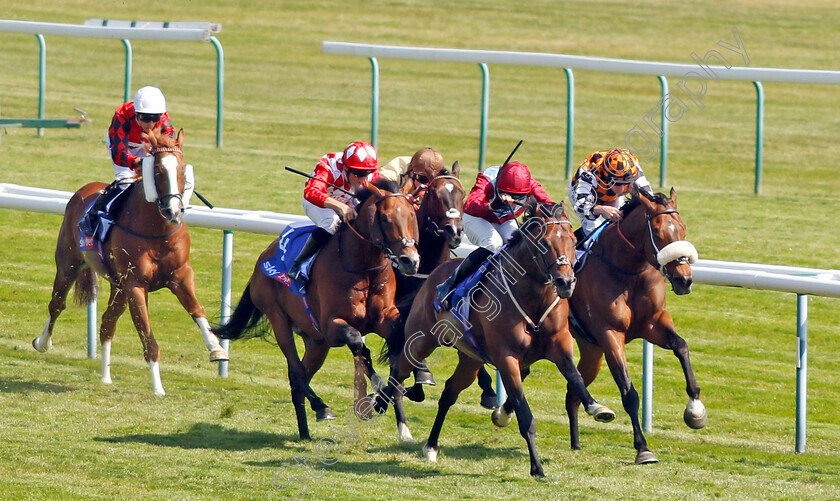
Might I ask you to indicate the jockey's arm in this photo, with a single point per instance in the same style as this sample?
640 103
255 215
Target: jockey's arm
346 212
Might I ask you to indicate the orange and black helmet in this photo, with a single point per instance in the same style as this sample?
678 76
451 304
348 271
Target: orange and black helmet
621 165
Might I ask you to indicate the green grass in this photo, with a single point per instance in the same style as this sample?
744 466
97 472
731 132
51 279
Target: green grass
63 435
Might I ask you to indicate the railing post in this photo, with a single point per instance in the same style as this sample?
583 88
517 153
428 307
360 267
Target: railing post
91 324
759 133
374 102
220 88
42 79
663 141
647 387
227 277
485 112
128 65
801 370
570 119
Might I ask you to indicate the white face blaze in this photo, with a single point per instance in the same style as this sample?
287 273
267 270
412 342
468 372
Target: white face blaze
449 187
170 165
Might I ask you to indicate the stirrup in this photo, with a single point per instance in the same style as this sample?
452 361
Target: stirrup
295 273
444 290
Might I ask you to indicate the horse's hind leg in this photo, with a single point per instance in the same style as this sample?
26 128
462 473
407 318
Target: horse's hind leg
664 335
183 286
313 358
464 375
116 307
588 367
68 267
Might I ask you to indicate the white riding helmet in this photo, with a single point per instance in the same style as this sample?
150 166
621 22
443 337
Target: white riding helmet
149 100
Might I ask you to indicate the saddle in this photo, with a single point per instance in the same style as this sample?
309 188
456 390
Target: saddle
104 219
584 247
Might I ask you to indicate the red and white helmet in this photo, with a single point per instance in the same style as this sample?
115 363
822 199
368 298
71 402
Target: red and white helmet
360 155
514 178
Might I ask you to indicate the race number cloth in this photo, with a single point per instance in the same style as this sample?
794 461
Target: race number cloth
277 266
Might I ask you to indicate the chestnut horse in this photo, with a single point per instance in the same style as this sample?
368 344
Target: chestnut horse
350 292
523 282
621 297
147 249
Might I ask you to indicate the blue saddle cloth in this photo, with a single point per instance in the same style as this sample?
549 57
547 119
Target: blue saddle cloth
460 301
277 266
290 244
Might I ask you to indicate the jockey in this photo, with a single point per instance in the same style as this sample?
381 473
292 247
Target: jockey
127 147
326 206
597 188
490 213
414 173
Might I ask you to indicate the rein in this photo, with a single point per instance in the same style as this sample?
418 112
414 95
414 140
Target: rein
384 246
148 237
655 248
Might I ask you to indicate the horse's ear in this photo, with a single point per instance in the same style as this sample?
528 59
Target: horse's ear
180 139
673 196
378 193
456 169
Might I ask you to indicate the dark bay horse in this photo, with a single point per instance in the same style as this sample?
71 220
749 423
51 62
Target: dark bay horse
350 292
621 297
516 317
147 249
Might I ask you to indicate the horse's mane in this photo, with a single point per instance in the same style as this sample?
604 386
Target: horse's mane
634 202
382 184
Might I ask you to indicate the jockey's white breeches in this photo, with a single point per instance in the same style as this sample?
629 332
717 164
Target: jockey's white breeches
324 218
490 236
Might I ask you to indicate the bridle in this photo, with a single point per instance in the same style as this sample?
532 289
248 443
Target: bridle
559 261
452 213
656 249
163 200
383 245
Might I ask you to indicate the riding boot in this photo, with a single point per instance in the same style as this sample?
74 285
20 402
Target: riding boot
317 239
467 267
88 223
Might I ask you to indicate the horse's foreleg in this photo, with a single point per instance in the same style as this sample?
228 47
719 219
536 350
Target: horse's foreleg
389 318
664 335
509 369
588 367
616 361
138 305
561 353
116 307
464 375
183 286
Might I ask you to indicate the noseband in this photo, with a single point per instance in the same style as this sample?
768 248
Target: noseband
656 250
384 246
451 213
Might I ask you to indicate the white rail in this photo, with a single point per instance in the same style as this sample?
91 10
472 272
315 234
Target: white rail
144 31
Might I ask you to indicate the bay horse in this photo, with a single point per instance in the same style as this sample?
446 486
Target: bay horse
350 292
529 279
148 248
621 297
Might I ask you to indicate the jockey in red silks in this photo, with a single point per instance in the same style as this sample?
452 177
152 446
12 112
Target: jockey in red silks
326 206
127 147
598 187
497 199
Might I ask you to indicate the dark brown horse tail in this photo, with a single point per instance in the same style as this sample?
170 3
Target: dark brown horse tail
85 290
246 321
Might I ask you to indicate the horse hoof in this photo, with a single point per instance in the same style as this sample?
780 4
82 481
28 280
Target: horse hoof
416 393
424 377
325 414
404 434
431 454
646 457
695 414
160 393
41 347
219 355
537 472
500 418
603 414
489 401
105 380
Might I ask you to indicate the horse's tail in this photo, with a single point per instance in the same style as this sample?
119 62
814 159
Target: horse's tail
85 291
246 322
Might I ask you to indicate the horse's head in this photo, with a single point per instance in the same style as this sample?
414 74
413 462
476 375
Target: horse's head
164 174
443 207
392 224
547 232
666 246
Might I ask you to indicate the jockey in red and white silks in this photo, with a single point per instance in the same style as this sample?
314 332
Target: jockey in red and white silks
488 220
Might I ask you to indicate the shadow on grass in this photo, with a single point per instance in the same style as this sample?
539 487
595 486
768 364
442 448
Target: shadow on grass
384 467
19 386
210 436
466 451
